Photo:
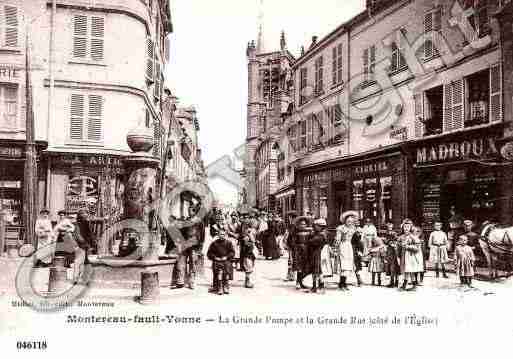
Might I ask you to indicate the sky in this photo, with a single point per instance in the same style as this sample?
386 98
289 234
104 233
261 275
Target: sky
208 66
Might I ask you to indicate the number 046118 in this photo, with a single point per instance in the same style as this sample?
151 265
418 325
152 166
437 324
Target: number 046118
31 345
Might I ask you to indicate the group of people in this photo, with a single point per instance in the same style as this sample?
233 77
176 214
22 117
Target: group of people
398 255
69 236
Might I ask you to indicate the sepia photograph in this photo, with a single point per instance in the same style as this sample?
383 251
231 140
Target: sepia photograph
256 177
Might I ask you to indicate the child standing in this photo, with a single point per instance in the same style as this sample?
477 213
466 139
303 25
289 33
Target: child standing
376 263
221 253
464 256
438 243
392 256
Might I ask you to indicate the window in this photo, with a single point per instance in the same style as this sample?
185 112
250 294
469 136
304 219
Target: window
303 78
292 134
480 20
429 112
336 70
302 134
398 60
86 117
8 106
369 63
432 25
9 26
88 37
319 74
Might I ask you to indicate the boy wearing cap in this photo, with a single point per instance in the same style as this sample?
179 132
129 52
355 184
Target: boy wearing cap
315 246
221 253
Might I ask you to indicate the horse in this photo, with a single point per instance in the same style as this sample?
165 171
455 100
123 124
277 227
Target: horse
496 242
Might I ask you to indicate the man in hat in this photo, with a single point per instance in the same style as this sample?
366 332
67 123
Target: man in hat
45 238
472 237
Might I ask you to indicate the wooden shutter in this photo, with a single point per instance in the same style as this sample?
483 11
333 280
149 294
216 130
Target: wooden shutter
94 123
448 108
339 63
156 139
365 57
495 106
11 26
97 38
372 60
149 60
458 104
77 117
156 87
428 38
334 66
418 101
80 36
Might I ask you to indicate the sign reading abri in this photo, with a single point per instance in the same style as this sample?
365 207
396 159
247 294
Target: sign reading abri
477 149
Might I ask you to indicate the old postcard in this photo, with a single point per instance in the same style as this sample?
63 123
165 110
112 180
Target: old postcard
256 178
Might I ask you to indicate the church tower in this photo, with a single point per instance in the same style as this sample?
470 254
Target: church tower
268 98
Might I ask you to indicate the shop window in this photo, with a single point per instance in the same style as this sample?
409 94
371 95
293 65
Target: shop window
371 200
433 111
82 193
11 201
385 199
358 197
88 37
8 106
323 202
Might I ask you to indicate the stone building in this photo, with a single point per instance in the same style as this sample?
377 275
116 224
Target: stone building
97 73
269 98
404 110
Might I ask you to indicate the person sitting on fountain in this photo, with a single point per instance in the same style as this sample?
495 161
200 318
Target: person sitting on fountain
221 253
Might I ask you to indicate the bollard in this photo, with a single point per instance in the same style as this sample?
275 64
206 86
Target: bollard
57 280
150 290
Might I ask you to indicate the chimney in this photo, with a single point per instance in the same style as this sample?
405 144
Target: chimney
314 41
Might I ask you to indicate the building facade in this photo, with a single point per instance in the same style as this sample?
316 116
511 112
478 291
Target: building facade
404 111
97 73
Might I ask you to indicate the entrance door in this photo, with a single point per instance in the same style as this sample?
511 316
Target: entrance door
456 192
341 201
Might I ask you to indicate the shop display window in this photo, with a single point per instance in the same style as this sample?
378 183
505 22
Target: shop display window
385 205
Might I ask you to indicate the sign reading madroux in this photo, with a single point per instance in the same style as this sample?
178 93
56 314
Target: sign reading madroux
478 149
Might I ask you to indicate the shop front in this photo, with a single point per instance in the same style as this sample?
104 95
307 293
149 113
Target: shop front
461 177
374 184
91 182
12 180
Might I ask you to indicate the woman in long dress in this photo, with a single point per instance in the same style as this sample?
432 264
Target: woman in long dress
344 262
45 238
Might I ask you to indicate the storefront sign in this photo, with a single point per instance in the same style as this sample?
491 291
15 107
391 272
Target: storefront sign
89 160
399 134
371 168
479 148
12 152
9 73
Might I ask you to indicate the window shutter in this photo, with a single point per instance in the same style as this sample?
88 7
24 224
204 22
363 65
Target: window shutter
156 139
149 60
339 64
458 104
334 64
428 38
366 63
94 124
372 59
418 101
495 93
11 26
77 117
80 36
448 114
395 57
156 87
437 19
97 38
10 106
